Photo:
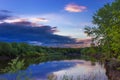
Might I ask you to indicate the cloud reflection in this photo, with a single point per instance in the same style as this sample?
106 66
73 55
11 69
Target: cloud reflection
81 68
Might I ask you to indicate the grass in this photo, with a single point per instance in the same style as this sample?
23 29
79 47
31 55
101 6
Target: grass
14 66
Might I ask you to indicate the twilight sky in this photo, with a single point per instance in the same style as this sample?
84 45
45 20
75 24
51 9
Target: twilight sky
58 18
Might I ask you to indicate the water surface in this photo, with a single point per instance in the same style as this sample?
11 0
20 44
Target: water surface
76 69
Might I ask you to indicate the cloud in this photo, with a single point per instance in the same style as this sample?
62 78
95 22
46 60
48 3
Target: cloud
30 30
5 11
4 17
22 33
75 8
38 19
25 23
56 19
34 22
21 21
15 20
33 19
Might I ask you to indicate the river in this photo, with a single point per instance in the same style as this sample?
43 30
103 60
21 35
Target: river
59 70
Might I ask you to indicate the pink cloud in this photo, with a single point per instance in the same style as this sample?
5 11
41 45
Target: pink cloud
39 19
32 21
75 8
15 20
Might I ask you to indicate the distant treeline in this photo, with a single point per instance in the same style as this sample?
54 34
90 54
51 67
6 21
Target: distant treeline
14 49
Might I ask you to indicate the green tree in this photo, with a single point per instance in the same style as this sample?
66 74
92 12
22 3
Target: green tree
5 49
106 33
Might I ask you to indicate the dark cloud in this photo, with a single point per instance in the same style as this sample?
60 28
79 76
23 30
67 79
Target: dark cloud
4 14
5 11
41 34
17 29
4 17
23 23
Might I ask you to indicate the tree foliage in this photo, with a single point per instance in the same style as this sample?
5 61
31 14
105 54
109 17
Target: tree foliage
106 33
13 50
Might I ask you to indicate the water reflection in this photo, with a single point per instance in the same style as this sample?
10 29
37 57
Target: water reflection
84 70
59 69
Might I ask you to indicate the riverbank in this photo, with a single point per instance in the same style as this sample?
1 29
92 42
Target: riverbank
113 69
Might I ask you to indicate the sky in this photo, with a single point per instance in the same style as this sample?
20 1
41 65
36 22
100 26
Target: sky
47 18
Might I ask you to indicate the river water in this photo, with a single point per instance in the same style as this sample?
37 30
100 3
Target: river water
59 70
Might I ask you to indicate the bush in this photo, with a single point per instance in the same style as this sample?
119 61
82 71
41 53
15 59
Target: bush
14 66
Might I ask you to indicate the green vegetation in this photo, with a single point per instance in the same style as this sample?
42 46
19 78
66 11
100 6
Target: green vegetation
106 36
38 54
13 50
106 33
14 65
